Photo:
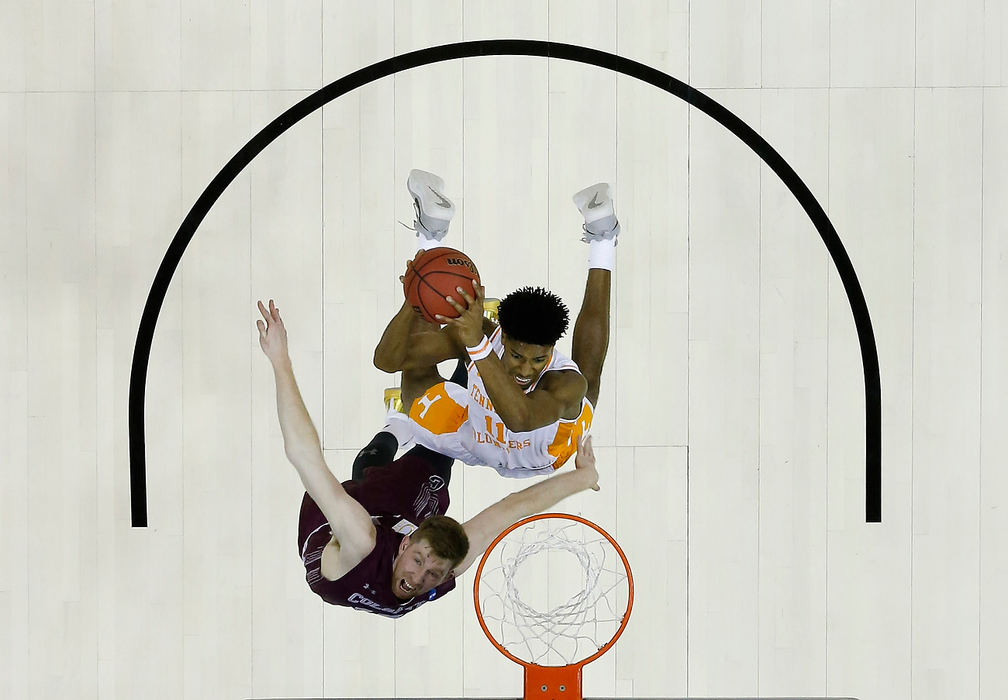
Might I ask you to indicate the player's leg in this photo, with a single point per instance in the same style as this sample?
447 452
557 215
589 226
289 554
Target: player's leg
433 215
434 212
383 447
434 462
379 452
398 431
395 433
407 485
591 329
418 380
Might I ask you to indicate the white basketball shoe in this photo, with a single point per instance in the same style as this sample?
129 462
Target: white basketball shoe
434 211
596 206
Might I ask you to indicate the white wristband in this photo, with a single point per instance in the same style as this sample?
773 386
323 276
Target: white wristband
480 350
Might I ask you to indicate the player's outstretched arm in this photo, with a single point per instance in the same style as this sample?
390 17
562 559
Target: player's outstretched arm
351 525
485 526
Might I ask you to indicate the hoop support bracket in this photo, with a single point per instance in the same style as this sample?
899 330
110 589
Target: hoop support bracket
552 682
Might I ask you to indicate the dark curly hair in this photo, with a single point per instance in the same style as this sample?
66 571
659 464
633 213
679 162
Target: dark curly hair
533 315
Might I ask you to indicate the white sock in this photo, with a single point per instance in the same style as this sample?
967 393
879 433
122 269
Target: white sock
427 243
602 254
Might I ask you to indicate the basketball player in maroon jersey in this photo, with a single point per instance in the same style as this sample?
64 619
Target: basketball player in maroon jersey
359 541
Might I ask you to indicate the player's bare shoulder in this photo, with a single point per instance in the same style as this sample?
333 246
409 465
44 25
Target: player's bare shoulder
567 386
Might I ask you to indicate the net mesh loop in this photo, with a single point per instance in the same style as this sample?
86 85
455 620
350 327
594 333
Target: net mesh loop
575 626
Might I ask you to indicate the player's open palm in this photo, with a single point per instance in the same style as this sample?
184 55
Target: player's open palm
272 334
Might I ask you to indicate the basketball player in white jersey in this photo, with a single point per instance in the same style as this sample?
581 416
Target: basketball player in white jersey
524 405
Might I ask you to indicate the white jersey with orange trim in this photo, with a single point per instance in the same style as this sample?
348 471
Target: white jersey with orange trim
461 422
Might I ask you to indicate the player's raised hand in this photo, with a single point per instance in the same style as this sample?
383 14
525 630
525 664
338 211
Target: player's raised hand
467 329
584 462
272 333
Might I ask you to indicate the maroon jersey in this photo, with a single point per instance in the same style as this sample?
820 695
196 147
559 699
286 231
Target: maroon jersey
399 496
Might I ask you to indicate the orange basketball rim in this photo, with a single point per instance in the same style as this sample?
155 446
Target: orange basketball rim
594 608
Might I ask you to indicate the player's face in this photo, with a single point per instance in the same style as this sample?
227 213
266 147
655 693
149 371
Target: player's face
524 362
417 570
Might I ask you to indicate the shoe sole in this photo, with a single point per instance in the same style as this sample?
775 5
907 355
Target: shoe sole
428 188
603 209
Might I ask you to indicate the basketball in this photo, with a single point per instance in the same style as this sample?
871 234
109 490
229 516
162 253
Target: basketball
435 274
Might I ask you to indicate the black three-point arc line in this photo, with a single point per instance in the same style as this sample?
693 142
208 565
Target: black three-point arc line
507 47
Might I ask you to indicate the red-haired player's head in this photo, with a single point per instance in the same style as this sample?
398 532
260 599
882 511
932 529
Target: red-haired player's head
428 556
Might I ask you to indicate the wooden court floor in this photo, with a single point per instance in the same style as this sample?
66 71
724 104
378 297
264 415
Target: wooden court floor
730 430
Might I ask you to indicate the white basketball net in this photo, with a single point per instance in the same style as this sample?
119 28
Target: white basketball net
553 592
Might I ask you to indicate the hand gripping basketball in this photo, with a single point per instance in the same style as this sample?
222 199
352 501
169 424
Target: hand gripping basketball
468 326
433 275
